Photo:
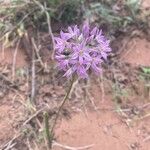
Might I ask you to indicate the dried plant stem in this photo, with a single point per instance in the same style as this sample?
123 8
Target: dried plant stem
72 148
33 82
50 31
33 116
14 60
37 53
62 104
17 25
49 136
44 9
3 51
102 87
9 145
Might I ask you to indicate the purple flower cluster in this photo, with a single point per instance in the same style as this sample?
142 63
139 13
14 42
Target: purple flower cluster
78 51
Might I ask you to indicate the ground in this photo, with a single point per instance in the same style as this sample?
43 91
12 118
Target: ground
114 114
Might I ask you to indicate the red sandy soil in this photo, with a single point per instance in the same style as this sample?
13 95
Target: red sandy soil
7 54
145 4
137 52
104 130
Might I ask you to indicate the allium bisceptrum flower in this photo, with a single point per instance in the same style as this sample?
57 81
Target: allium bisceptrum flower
80 50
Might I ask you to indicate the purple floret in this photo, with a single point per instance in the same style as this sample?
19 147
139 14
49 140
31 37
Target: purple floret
78 51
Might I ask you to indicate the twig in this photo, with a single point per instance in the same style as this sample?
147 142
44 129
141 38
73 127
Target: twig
9 147
14 60
91 99
50 31
122 110
7 79
37 53
15 27
143 117
77 89
127 52
72 148
84 90
146 139
3 51
49 137
33 116
33 77
20 99
73 87
8 144
44 9
29 145
36 146
123 47
144 106
102 87
39 124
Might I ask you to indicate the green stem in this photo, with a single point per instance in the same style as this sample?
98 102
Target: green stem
62 104
49 136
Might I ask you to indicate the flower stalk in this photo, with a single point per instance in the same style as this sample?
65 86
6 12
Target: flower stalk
62 104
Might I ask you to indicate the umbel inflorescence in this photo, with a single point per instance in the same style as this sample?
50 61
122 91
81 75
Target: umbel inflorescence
80 50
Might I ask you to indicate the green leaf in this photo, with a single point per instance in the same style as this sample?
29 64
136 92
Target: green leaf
146 70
